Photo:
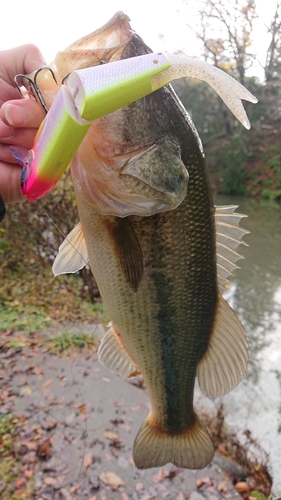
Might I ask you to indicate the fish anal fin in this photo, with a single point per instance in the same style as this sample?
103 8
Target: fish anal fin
73 253
113 355
191 449
228 238
224 364
127 250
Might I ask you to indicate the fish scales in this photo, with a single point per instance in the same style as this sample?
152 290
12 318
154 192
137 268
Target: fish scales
156 265
166 324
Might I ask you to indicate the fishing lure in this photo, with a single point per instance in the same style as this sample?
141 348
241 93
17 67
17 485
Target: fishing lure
91 93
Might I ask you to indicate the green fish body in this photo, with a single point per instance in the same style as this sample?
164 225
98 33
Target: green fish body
160 272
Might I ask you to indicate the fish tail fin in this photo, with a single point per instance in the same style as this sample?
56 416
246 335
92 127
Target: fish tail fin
191 449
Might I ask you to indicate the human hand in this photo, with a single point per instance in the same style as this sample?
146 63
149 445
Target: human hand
19 117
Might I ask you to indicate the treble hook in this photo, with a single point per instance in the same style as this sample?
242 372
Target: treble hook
33 87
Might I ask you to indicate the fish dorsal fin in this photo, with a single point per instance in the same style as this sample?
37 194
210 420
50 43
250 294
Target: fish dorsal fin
73 253
228 237
113 355
128 250
224 364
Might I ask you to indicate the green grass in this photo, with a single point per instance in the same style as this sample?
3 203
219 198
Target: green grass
9 463
17 317
10 471
70 340
8 428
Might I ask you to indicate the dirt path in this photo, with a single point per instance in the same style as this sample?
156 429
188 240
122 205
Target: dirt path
77 423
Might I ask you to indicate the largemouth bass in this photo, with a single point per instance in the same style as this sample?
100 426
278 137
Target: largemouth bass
161 270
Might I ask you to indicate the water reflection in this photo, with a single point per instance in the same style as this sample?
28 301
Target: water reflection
255 295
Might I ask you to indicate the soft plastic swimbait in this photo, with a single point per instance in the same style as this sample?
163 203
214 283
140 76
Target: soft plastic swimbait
97 91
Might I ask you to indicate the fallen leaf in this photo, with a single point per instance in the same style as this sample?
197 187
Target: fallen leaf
242 487
111 478
49 425
22 381
82 408
51 481
75 488
88 459
222 449
180 496
19 494
20 482
38 370
31 445
44 449
26 391
135 408
28 473
127 427
110 435
202 481
139 486
114 452
47 383
29 458
223 487
158 478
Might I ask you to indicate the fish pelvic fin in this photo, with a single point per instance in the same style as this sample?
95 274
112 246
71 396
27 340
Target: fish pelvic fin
73 253
114 356
224 364
228 238
190 449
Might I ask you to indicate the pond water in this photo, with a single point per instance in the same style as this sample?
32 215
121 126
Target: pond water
255 295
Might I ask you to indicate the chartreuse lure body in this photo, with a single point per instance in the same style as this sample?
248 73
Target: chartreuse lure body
89 94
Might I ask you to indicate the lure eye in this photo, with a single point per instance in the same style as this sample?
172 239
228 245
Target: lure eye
23 177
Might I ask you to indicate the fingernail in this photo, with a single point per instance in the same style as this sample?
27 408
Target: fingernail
5 130
15 115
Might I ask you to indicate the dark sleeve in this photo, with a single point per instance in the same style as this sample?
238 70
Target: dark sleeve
2 209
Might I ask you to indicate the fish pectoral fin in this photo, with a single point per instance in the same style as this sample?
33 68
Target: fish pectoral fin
73 253
113 355
224 364
191 449
127 250
228 238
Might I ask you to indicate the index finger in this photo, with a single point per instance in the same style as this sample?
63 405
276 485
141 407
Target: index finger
23 59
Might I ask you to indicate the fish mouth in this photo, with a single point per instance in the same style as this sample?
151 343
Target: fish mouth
101 46
106 44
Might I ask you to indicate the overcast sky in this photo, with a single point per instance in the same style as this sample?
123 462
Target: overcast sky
54 24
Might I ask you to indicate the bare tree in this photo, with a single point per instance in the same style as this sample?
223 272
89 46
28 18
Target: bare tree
226 33
272 68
